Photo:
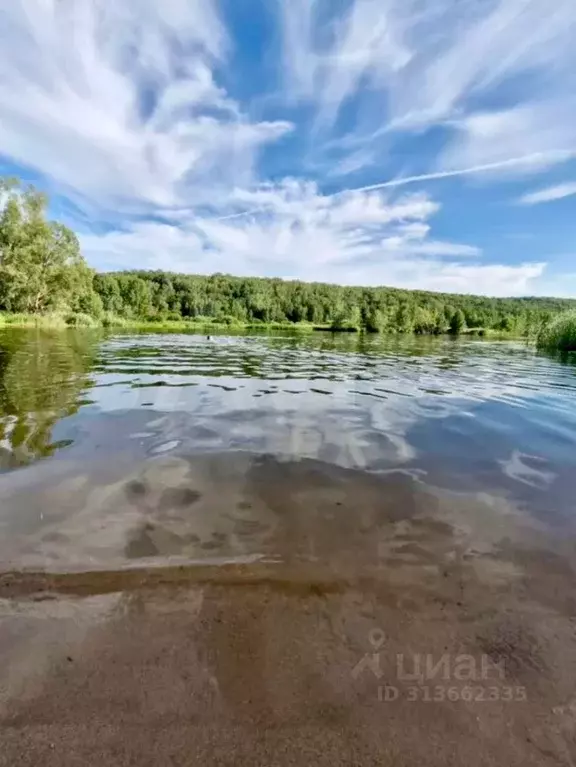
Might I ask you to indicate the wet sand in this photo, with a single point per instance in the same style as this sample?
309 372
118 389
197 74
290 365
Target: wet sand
240 609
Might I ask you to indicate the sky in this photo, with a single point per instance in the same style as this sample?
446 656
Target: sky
425 144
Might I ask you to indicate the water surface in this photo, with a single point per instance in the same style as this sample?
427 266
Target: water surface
216 550
466 415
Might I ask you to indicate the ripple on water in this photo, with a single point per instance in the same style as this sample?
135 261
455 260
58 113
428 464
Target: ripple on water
276 538
454 408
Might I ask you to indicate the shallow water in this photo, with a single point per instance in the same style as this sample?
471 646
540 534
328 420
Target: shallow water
223 551
158 449
464 415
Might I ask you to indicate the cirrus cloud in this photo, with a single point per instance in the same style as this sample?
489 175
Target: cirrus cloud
550 194
170 148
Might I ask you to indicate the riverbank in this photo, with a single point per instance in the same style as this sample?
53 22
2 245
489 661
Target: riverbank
78 320
61 321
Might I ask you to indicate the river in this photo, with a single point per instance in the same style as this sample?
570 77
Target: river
246 540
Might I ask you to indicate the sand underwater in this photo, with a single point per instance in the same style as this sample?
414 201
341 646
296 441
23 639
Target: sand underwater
243 609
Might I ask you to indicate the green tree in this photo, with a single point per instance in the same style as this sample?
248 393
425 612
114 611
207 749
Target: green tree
108 290
41 268
424 320
136 295
40 262
507 323
405 318
270 300
458 322
375 321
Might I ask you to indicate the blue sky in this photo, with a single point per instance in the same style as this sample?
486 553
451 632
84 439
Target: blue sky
396 142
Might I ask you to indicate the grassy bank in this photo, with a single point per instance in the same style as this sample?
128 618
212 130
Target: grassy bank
559 334
205 325
201 324
51 320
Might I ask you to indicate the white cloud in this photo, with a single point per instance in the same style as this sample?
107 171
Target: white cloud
296 232
351 163
299 20
297 225
129 109
117 101
409 65
550 194
441 248
428 56
544 132
467 48
368 46
489 279
561 284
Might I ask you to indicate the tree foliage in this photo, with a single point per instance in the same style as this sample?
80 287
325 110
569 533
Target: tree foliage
559 334
40 262
457 322
226 298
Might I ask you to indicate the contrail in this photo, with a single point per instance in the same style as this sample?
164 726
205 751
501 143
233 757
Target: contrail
558 154
561 154
238 215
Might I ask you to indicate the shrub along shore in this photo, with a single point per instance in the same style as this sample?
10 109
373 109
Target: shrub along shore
559 334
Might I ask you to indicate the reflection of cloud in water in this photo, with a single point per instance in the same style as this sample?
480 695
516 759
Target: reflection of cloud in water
516 467
353 409
454 409
337 426
215 508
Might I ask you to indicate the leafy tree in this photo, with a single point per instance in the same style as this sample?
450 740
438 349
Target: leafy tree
405 318
375 321
458 322
270 300
108 290
424 320
506 324
40 262
136 295
88 302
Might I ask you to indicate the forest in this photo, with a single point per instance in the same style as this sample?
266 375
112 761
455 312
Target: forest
42 271
241 300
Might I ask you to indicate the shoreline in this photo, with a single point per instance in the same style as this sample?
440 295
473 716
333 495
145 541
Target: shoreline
67 322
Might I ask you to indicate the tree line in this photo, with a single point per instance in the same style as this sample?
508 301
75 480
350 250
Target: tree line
42 270
229 300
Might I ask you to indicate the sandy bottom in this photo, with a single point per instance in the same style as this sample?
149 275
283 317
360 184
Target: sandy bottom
248 610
